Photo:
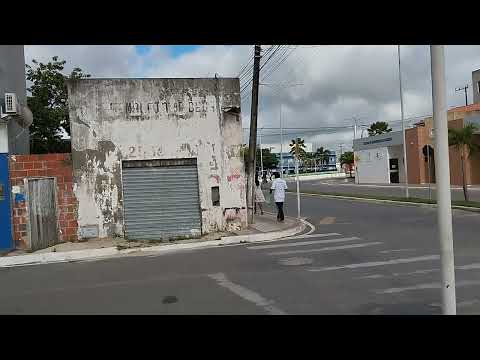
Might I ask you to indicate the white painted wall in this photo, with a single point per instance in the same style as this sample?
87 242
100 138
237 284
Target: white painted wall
3 138
372 166
123 119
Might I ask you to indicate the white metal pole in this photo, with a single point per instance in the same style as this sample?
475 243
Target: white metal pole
298 180
405 162
429 174
355 129
442 170
261 157
281 143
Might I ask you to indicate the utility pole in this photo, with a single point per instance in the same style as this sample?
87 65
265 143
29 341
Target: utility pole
442 170
466 96
405 162
297 152
252 149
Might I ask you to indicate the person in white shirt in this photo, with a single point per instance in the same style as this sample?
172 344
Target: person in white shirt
279 186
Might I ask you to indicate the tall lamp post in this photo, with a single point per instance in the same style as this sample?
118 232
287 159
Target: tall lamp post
281 86
442 174
405 162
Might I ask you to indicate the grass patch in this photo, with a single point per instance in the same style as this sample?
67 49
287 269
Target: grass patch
473 204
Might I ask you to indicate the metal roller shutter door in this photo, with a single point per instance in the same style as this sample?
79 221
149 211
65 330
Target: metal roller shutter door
161 202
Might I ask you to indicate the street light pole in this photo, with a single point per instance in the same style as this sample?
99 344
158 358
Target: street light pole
261 155
405 162
281 128
281 143
297 150
442 171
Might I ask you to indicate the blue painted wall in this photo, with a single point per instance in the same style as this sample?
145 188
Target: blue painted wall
6 242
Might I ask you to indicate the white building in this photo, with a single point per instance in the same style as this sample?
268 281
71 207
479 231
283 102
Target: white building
157 158
379 159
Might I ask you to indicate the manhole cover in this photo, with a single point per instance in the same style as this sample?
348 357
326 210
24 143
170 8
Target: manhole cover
169 300
295 261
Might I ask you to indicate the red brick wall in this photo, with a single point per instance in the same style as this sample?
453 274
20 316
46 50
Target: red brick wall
47 165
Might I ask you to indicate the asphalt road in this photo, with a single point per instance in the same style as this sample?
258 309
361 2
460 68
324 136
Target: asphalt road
347 187
363 258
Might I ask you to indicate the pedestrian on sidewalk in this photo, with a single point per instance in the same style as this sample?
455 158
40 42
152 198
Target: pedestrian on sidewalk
259 197
279 186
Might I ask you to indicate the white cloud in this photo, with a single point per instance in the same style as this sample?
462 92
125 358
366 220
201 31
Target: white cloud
338 81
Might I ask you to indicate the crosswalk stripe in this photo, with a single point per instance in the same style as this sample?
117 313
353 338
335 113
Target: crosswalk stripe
303 243
332 248
311 236
379 263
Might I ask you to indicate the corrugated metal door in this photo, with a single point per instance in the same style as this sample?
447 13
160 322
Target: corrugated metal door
42 213
6 242
161 199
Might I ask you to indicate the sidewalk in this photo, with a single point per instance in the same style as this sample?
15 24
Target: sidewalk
265 228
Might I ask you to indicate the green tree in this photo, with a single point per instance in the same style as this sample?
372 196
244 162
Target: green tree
347 159
48 103
322 154
378 128
464 141
297 148
270 160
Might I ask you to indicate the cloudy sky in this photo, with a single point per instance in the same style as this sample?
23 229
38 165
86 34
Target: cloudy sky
338 82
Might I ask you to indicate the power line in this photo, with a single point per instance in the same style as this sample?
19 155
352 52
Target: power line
246 86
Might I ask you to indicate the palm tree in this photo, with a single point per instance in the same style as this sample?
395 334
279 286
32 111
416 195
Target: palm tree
297 148
322 154
464 139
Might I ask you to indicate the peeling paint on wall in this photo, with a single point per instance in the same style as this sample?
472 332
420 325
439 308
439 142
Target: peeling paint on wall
138 119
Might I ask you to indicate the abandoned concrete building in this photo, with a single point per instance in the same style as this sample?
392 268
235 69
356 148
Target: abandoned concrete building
157 158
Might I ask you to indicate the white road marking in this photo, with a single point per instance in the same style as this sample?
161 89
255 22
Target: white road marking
379 263
460 304
247 294
332 248
408 288
295 261
310 236
303 243
305 236
375 276
426 271
378 276
469 266
426 286
397 250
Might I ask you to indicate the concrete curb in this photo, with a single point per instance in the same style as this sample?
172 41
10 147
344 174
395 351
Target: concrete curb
380 201
77 255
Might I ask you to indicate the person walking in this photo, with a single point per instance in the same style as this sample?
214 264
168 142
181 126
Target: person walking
259 197
279 186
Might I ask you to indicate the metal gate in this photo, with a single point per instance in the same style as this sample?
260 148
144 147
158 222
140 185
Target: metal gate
161 199
6 242
42 212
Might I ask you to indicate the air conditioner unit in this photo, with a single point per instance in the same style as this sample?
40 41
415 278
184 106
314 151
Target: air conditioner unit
10 103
